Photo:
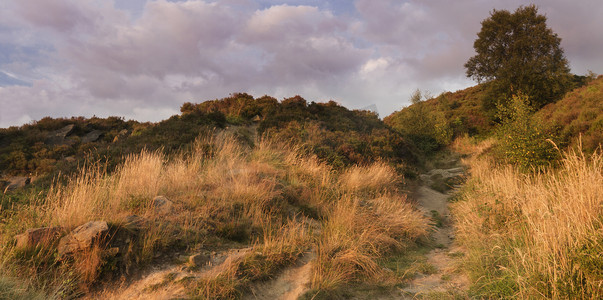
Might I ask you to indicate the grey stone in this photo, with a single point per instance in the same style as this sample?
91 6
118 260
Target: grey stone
82 237
17 182
92 136
162 205
198 260
57 137
36 236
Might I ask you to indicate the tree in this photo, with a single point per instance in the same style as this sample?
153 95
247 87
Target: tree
517 52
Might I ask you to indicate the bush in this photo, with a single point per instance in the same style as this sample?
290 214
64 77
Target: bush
523 141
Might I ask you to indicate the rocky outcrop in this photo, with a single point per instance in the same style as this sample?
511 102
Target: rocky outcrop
92 136
37 236
442 180
17 182
82 237
199 260
121 135
58 137
162 205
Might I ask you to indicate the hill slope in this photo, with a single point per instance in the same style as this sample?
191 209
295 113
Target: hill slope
339 136
579 113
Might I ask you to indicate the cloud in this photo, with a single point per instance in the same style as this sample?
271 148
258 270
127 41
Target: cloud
142 59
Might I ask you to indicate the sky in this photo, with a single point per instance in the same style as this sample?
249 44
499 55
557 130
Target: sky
142 59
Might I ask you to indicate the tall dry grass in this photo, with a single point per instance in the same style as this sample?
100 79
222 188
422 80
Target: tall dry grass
369 220
261 196
538 235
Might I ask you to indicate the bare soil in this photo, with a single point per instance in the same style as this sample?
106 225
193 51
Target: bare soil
447 281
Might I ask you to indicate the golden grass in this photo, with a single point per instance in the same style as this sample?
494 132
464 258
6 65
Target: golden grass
540 232
260 196
375 177
359 232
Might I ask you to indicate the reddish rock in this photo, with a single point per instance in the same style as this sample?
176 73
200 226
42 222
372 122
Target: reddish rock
82 237
36 236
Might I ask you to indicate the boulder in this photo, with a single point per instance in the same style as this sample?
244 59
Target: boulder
57 137
17 182
36 236
92 136
82 237
162 205
121 135
198 260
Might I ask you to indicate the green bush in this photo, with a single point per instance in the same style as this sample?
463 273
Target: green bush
523 140
427 129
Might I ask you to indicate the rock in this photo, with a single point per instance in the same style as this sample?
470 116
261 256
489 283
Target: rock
33 237
92 136
162 205
122 134
17 182
198 260
57 137
82 237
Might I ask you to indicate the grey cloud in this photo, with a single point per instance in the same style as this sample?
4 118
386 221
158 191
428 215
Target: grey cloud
145 61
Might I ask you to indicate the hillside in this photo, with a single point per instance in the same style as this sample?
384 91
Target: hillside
339 136
248 196
578 114
432 124
231 192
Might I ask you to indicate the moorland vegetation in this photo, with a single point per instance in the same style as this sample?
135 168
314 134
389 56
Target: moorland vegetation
266 185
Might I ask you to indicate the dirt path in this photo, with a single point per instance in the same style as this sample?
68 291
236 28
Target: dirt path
446 280
289 285
163 281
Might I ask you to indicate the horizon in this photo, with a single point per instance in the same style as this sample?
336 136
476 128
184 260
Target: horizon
67 58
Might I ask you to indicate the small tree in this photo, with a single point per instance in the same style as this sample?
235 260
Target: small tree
427 129
523 141
517 52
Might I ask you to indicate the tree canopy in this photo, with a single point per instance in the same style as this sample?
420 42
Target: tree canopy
517 52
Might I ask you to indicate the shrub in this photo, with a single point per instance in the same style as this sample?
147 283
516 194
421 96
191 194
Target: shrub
523 141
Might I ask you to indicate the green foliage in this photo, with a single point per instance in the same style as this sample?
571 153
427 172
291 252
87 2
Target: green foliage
517 52
588 269
239 108
335 134
26 150
523 141
10 289
339 136
426 128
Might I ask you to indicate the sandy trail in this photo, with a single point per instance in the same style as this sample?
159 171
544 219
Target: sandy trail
289 285
446 280
163 281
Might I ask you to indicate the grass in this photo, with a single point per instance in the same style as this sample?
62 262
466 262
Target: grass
533 235
225 193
